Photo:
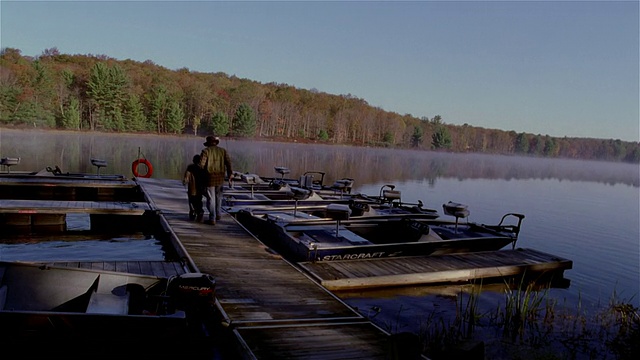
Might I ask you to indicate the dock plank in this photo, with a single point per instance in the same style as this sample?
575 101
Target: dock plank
83 207
420 270
152 268
14 180
326 342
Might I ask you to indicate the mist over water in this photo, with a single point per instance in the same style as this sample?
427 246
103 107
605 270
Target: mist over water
585 211
170 156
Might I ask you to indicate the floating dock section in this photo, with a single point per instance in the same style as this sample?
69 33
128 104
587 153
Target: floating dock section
421 270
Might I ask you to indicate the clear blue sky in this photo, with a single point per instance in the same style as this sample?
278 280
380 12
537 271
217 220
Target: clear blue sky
559 68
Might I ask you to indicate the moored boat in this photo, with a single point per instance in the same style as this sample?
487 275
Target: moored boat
250 191
56 172
38 300
305 237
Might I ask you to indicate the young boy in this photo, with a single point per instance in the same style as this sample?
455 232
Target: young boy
194 179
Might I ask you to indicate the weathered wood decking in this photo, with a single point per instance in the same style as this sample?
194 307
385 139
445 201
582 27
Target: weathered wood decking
67 180
67 207
373 273
163 269
68 188
275 310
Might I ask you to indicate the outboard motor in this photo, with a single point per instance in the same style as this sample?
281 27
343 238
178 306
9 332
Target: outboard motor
192 292
306 181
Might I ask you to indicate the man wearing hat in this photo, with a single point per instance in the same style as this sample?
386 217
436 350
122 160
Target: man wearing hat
215 160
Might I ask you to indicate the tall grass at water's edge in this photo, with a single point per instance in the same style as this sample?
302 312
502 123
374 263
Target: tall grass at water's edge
530 325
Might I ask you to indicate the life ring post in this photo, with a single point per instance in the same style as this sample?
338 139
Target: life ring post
146 163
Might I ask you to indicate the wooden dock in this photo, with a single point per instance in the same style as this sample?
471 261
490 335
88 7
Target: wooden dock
420 270
164 269
68 188
272 308
67 207
23 180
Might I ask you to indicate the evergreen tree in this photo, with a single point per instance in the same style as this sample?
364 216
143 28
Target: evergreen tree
220 124
118 83
107 90
244 121
98 92
441 139
387 138
550 146
159 106
8 101
323 135
175 118
134 118
416 138
71 116
522 144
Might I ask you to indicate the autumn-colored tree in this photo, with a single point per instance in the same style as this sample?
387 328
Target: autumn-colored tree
96 92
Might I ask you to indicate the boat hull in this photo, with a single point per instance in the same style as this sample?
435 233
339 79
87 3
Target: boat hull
43 301
363 239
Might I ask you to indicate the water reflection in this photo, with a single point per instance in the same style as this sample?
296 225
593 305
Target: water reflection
171 154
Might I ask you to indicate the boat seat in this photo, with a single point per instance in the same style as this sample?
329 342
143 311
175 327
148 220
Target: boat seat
282 170
390 195
7 162
338 211
459 211
107 303
300 193
343 185
456 209
251 179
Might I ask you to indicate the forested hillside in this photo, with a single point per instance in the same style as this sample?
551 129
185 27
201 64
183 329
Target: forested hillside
99 93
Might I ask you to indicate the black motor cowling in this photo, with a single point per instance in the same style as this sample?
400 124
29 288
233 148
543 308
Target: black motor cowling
192 291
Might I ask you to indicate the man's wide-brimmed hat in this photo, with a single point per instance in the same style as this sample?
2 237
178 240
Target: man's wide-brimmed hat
212 140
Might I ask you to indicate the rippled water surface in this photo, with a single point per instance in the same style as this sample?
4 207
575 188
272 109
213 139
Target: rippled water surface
139 247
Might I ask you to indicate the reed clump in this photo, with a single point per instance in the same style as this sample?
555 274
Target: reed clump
529 324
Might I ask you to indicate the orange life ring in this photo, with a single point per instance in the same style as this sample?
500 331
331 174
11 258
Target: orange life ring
145 162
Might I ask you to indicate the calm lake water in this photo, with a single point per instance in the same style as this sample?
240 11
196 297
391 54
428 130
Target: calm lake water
585 211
